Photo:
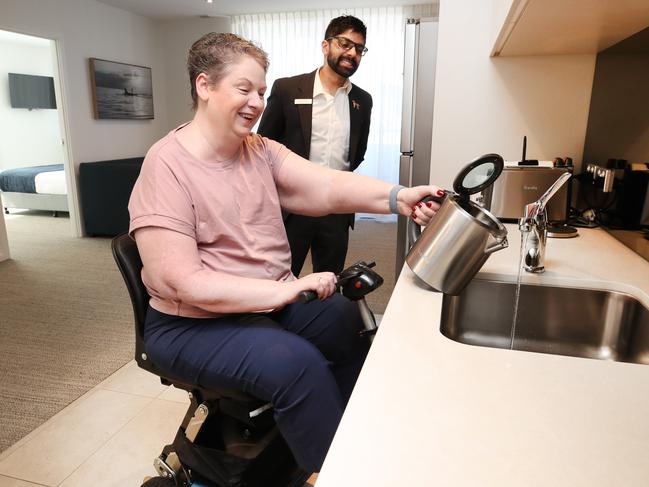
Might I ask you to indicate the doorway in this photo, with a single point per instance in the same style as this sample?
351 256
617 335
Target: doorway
33 124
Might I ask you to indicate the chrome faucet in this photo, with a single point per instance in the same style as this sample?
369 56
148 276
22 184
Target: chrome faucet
534 226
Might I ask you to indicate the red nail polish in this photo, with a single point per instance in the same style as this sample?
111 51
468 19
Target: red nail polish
414 208
429 204
419 205
413 216
441 192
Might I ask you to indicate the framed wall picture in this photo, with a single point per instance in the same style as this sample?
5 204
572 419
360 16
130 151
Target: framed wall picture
122 91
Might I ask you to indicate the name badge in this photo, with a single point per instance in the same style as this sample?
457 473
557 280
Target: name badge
303 101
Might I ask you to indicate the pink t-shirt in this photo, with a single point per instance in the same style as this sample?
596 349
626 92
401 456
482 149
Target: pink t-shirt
230 208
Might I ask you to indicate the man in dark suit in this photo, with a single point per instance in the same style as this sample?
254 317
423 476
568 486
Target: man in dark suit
325 118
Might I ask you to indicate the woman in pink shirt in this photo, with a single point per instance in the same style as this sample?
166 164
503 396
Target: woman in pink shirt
206 213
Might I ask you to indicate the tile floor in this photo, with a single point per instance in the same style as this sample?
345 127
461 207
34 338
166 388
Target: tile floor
106 438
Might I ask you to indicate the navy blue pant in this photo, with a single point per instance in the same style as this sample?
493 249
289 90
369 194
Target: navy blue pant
304 359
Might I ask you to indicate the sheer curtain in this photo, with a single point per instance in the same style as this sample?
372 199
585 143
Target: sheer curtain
292 41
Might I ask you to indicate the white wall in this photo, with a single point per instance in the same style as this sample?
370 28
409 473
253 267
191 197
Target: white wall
29 137
84 29
485 104
176 37
87 28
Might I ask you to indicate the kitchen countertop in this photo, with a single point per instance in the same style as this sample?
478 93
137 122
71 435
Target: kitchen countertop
427 410
634 239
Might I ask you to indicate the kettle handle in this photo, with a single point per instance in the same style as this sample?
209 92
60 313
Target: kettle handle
414 230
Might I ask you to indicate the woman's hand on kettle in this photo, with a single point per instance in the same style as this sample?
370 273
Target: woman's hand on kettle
420 202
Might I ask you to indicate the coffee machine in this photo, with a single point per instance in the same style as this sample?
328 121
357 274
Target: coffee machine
633 207
617 191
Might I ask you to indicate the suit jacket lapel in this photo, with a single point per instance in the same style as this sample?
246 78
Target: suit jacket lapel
355 120
305 90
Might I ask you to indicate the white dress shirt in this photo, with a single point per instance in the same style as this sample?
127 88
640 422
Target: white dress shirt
330 126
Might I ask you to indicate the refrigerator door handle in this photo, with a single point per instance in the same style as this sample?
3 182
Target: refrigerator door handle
405 169
409 79
403 243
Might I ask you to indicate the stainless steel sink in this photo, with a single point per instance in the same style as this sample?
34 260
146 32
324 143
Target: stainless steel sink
589 323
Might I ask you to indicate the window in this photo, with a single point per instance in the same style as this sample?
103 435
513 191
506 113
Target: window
292 41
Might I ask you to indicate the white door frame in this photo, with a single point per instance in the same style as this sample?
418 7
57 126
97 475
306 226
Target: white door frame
68 157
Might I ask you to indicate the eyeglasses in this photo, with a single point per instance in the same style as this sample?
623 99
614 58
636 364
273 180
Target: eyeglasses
346 44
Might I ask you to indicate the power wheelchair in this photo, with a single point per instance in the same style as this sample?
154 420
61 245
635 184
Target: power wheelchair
227 438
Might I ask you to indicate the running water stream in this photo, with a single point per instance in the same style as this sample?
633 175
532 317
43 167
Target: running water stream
524 236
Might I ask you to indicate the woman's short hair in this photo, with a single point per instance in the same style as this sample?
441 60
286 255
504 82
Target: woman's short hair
214 53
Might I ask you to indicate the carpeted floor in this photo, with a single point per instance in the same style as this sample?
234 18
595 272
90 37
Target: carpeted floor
65 320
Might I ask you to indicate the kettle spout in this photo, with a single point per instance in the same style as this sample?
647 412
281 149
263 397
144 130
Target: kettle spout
498 245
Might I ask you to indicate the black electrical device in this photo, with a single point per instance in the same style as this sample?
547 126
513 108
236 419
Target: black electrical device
524 161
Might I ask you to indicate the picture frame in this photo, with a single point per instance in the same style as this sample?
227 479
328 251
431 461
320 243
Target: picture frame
120 90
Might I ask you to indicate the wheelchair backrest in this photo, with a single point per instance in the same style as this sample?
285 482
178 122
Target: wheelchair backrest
129 264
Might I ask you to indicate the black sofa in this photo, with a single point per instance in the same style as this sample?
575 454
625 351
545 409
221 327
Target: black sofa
105 188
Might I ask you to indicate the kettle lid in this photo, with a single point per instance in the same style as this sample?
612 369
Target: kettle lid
478 174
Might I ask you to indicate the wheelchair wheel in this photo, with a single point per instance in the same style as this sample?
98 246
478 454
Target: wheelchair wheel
159 482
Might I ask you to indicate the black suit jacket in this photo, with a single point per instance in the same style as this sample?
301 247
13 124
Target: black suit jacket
290 123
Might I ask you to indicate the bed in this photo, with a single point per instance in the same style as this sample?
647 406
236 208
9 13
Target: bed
34 188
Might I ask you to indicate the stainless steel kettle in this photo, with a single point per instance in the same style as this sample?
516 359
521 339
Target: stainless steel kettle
457 242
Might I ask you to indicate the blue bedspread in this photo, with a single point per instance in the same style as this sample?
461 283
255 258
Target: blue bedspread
22 180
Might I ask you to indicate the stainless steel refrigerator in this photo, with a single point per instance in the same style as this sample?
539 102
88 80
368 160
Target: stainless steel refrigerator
420 58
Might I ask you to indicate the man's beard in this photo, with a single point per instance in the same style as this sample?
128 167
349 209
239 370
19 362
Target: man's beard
341 70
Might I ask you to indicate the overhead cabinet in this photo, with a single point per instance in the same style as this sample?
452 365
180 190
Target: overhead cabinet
547 27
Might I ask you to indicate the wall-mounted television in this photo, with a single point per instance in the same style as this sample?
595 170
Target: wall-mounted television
30 91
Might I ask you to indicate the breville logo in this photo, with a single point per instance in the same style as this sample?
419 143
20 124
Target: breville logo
530 188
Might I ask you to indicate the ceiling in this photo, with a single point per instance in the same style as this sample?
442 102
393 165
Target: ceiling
176 9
